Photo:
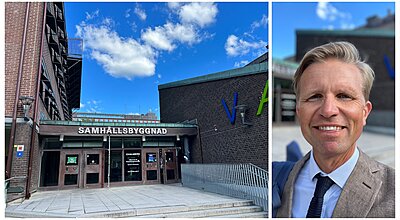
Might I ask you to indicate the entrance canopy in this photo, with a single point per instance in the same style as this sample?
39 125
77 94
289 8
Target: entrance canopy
121 129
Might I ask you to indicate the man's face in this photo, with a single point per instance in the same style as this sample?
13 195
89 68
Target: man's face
331 107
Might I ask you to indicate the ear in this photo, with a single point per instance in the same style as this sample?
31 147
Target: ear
367 109
297 108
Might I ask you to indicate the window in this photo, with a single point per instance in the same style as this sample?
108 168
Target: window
133 165
92 159
151 157
71 160
151 174
92 178
52 143
131 142
115 167
71 179
169 157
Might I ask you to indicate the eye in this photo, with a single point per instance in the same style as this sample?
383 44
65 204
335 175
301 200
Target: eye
314 98
344 96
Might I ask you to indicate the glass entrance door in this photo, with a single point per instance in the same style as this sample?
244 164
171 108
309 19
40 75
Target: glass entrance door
80 169
70 166
170 165
92 168
150 158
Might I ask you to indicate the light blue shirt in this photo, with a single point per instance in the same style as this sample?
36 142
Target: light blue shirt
305 185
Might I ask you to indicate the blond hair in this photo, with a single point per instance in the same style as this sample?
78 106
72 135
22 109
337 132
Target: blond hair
343 51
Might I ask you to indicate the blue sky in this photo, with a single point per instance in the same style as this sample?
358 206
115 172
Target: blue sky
287 17
131 48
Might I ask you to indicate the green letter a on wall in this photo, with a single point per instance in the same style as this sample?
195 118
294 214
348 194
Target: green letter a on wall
264 99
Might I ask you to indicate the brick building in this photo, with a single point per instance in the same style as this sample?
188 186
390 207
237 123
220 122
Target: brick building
49 148
230 110
42 83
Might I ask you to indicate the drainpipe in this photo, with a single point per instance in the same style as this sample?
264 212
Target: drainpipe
17 91
33 135
201 145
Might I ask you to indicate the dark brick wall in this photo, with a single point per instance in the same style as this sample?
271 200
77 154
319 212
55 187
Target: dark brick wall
14 29
228 143
372 49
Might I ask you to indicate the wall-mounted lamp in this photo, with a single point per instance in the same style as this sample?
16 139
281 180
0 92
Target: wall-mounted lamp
178 138
61 137
242 111
26 103
215 128
104 138
143 138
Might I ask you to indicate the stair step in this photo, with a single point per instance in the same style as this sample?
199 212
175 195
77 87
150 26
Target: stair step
161 210
207 212
246 215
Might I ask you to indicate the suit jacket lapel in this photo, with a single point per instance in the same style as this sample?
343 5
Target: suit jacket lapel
359 192
285 210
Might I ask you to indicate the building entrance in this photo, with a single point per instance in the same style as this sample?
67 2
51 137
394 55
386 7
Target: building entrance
160 165
170 165
89 168
80 168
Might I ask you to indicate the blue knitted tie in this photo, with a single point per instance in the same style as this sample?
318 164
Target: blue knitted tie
323 184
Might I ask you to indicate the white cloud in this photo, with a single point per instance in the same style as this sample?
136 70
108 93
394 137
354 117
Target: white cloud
92 15
128 13
159 76
133 26
327 11
193 17
140 12
120 57
199 13
236 47
347 26
156 38
164 37
108 22
241 63
261 23
128 57
174 5
91 106
82 105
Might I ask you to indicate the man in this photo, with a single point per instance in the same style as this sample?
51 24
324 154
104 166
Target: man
335 179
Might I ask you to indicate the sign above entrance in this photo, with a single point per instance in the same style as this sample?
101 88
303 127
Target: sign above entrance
122 130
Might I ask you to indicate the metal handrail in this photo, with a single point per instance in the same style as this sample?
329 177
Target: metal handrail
15 179
245 181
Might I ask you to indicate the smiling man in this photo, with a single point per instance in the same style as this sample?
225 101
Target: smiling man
336 179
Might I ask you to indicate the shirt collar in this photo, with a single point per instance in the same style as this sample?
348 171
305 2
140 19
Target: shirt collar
340 175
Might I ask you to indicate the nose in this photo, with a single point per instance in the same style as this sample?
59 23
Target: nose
329 107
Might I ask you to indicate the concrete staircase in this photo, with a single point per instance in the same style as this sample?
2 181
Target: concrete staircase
235 209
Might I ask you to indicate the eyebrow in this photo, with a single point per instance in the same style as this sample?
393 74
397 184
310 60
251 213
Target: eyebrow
342 89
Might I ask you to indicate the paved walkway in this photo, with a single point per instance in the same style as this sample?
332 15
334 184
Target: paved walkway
113 202
377 146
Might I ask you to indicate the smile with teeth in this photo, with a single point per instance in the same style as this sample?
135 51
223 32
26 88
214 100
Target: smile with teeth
330 128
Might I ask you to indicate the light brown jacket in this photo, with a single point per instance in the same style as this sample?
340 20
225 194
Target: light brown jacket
369 191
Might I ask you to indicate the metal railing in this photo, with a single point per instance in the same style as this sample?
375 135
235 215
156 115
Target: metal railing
245 181
15 186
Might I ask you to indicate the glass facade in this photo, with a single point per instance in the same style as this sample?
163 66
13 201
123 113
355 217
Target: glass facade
127 158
